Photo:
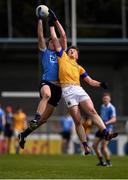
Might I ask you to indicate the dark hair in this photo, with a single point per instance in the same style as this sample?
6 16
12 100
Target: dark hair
107 94
73 47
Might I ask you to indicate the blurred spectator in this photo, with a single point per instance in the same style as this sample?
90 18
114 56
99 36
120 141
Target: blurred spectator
19 124
2 120
66 122
126 127
2 124
126 130
8 130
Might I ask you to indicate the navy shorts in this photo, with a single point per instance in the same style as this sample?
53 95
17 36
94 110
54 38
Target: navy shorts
66 135
8 132
99 134
55 92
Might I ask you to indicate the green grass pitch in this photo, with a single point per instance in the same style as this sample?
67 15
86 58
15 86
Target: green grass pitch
60 167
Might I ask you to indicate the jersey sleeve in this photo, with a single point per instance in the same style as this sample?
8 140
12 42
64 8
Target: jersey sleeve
113 112
60 53
42 49
62 56
82 71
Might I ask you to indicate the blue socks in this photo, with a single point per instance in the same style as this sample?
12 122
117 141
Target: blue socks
85 144
105 132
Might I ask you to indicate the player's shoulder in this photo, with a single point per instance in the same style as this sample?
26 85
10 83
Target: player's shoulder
61 53
81 67
46 51
112 107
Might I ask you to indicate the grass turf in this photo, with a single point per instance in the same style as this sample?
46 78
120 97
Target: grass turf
60 167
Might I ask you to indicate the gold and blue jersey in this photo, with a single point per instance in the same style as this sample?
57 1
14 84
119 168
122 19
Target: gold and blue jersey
69 70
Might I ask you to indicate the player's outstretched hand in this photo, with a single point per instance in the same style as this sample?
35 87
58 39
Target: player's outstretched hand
104 85
52 18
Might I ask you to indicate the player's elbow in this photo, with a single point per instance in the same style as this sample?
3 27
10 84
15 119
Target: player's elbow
40 35
54 39
114 120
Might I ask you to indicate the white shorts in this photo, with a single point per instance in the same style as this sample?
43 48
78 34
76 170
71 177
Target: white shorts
73 95
16 132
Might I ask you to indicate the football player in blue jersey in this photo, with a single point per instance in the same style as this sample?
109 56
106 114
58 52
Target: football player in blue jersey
50 90
108 114
2 119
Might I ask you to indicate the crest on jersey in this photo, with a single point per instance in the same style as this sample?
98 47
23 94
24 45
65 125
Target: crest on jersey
53 58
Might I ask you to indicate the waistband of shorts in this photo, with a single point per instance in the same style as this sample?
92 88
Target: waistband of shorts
55 82
67 85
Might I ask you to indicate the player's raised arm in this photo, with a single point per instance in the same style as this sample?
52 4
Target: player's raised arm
63 37
40 33
54 21
54 38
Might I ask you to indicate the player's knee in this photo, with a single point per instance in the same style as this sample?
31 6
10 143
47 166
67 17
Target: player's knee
46 96
93 112
102 149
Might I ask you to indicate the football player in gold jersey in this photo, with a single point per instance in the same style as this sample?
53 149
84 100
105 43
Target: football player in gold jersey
75 96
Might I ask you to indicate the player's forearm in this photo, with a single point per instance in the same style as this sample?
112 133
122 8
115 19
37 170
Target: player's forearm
41 40
54 38
63 37
60 29
53 33
40 29
95 83
92 82
111 121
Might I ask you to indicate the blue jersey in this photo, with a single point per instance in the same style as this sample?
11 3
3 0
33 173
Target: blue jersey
2 114
9 118
49 65
107 112
66 123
